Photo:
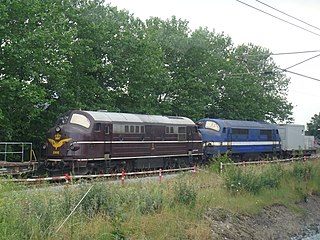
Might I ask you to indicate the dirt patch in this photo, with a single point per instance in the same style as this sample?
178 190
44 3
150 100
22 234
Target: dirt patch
273 222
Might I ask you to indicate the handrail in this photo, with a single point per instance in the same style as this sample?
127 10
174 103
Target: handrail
20 148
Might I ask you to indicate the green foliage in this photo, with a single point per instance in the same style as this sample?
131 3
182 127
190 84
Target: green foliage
59 56
303 171
174 208
102 199
150 201
185 194
215 163
271 177
314 126
239 180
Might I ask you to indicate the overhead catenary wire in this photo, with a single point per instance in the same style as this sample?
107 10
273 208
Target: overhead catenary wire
308 59
299 74
283 20
285 70
304 22
299 52
282 53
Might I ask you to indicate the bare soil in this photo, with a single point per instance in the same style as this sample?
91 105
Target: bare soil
273 222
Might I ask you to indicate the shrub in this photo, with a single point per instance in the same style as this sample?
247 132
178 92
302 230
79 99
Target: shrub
185 194
236 180
214 165
101 199
302 171
150 201
271 178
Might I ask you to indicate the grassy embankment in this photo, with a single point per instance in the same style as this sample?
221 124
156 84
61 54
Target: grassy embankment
173 209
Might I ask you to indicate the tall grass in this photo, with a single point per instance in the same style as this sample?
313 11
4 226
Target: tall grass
174 209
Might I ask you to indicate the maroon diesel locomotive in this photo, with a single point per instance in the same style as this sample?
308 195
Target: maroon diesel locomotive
85 142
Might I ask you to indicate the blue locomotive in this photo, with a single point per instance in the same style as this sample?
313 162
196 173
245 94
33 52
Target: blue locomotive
249 140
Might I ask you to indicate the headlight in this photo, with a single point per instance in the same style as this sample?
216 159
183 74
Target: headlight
74 147
58 129
208 144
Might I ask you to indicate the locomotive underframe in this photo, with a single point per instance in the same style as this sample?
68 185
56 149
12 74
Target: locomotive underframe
99 166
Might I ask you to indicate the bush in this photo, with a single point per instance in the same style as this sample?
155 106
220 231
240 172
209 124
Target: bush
236 180
101 199
271 178
150 201
185 194
302 171
214 165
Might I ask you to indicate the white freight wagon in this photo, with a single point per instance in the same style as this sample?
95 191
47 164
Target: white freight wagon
294 141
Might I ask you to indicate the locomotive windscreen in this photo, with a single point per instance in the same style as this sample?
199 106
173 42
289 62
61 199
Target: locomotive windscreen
212 125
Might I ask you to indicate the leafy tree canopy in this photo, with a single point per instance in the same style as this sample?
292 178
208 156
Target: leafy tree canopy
85 54
313 127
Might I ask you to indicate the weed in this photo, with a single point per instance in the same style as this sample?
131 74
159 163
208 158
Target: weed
214 165
150 201
185 194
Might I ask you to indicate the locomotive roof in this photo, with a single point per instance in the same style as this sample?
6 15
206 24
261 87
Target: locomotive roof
243 124
138 118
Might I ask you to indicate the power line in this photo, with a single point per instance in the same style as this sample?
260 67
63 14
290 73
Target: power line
281 53
285 70
278 18
299 74
288 15
312 51
302 61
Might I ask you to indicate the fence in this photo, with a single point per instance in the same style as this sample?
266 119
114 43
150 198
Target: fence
244 163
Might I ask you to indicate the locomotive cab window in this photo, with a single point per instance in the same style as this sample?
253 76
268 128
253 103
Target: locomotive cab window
239 133
170 130
80 119
182 134
181 130
106 130
97 127
267 134
212 125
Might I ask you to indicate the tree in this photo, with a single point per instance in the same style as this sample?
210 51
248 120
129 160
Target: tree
313 127
35 37
251 87
84 54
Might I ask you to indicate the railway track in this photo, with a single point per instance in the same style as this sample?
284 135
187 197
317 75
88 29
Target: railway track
160 172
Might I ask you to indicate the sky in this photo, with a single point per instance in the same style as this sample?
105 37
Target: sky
245 25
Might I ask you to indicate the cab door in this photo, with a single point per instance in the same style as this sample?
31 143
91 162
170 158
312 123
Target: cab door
229 139
108 137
